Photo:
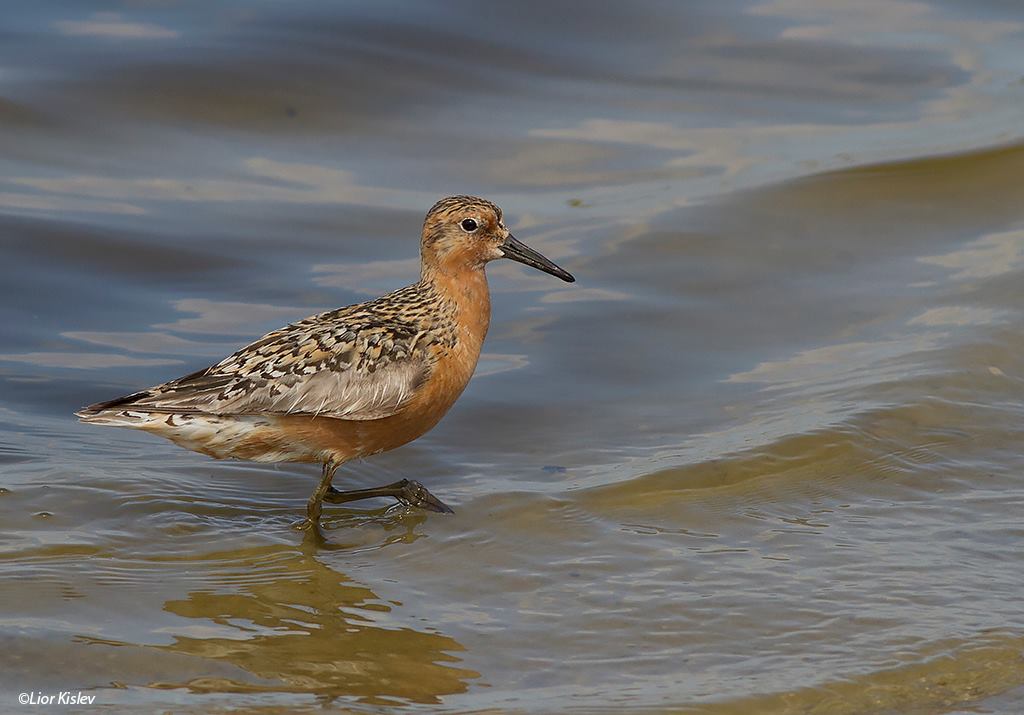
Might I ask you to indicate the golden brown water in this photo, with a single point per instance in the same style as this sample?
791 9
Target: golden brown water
764 457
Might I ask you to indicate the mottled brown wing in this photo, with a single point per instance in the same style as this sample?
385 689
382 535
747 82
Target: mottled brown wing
348 367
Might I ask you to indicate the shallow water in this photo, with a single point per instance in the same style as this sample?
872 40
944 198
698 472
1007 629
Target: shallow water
765 456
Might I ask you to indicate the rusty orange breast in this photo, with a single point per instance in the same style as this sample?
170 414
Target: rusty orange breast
453 366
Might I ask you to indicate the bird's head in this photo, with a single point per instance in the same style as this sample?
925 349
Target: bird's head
463 232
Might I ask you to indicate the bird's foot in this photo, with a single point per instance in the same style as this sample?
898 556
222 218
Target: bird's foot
407 491
412 493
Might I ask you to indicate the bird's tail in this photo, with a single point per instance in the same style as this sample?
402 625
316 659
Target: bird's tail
115 413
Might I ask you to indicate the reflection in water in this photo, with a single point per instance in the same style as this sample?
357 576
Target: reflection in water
149 342
837 365
957 315
264 180
298 626
370 278
217 317
86 361
985 257
112 25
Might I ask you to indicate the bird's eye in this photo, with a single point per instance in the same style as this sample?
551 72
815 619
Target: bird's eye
468 225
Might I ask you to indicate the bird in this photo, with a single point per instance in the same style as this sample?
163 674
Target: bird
351 382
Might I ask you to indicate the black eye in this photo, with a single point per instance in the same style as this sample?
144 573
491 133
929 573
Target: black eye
468 225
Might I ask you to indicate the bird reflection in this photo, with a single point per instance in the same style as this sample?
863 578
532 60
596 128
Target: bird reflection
298 626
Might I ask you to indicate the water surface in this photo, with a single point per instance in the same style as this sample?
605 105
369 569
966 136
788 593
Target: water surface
765 456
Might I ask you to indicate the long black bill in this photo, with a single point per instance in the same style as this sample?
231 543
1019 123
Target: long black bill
522 253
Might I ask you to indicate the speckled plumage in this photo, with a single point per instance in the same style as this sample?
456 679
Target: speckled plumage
361 362
348 382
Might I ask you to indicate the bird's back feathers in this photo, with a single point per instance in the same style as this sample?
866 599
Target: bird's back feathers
362 362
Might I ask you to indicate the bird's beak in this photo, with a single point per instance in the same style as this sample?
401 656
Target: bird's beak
522 253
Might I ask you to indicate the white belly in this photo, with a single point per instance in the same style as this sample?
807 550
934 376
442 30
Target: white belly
222 437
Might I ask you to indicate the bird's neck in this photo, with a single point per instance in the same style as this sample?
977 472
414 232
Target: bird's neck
467 293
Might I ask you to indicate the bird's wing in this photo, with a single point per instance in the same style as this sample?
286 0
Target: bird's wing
345 366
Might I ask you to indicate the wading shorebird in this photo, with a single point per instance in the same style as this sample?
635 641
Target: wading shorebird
350 382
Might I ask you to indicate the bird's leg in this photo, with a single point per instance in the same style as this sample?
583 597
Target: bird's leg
406 491
315 504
